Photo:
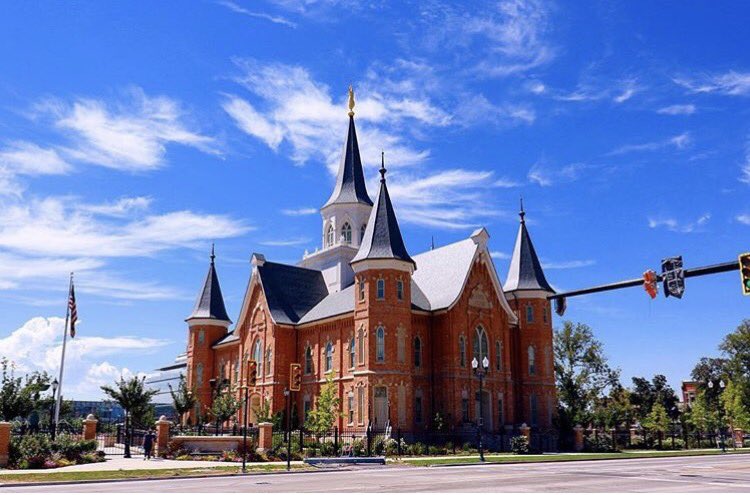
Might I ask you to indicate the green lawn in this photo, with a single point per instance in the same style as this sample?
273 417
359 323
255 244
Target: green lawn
43 477
514 459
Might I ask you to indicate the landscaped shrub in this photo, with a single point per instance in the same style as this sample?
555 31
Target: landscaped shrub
519 444
467 447
37 451
418 449
391 447
33 451
598 443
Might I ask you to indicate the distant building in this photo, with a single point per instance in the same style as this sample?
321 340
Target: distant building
111 412
162 378
689 392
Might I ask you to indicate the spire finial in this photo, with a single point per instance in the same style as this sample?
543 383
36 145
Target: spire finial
382 166
213 254
351 101
522 213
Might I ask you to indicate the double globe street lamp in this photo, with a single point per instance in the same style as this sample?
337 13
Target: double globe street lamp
721 430
480 371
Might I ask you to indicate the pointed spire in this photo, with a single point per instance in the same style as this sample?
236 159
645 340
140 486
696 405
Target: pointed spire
525 271
382 239
350 180
210 302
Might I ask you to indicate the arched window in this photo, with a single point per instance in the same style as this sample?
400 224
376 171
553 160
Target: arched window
400 290
462 351
498 355
308 360
258 356
481 346
346 233
361 350
352 348
362 289
380 344
401 345
417 352
532 360
269 360
380 293
329 236
530 314
329 356
362 233
199 374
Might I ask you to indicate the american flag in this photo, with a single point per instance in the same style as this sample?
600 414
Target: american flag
73 311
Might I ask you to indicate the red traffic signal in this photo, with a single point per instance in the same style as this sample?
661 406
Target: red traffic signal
649 283
745 273
252 373
295 377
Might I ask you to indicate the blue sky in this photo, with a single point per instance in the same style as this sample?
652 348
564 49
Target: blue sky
132 135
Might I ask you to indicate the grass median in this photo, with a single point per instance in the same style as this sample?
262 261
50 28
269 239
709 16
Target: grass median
136 474
519 459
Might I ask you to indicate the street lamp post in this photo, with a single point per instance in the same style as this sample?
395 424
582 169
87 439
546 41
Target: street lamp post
287 397
52 425
480 371
127 435
721 430
244 429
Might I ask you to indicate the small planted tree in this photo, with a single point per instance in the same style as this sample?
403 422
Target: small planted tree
657 420
183 399
133 396
20 396
327 409
225 406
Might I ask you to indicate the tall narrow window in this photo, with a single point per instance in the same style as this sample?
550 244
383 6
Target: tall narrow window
329 236
498 355
380 344
269 360
465 410
361 289
500 411
360 405
362 233
361 350
308 360
401 345
533 410
530 314
400 290
346 233
381 289
545 310
350 408
352 348
532 360
418 408
201 336
258 356
329 356
199 374
417 352
462 351
237 371
481 346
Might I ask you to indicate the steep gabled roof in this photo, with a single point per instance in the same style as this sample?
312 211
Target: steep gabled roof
350 181
210 303
382 239
290 291
525 271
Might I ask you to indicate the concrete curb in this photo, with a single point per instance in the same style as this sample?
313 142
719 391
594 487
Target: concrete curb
158 478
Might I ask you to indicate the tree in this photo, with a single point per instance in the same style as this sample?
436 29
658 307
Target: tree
184 399
736 346
20 396
225 405
735 400
614 409
657 420
133 396
647 393
581 372
701 415
327 408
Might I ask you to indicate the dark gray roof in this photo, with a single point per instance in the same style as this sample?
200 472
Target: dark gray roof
291 291
350 181
210 303
525 271
382 239
226 339
334 304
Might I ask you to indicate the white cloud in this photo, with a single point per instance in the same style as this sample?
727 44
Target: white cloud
546 175
258 15
687 109
37 345
743 218
499 255
298 241
120 208
730 83
674 225
129 136
677 142
567 265
24 158
298 212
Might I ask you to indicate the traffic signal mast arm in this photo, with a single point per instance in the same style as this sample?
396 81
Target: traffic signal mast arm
638 282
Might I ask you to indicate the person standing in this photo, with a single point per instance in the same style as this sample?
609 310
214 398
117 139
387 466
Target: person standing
148 444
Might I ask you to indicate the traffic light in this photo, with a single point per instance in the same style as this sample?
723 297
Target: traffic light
649 283
745 273
295 377
252 373
673 277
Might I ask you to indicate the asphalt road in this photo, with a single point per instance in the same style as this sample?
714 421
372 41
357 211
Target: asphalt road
729 473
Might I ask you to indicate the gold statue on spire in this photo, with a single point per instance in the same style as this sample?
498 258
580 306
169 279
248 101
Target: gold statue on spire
351 101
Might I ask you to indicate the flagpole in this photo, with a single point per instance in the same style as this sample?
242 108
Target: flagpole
62 359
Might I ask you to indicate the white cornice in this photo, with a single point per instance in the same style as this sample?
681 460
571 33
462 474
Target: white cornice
192 322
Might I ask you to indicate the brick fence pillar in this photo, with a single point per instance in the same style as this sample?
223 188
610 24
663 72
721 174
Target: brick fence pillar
525 431
739 438
4 443
265 437
162 436
578 431
89 427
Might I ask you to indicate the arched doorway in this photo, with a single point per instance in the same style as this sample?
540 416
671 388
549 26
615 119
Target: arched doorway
486 410
254 408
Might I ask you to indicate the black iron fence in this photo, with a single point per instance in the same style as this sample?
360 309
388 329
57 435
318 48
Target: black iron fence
676 437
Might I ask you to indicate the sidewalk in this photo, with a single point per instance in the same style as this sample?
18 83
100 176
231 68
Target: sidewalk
119 463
